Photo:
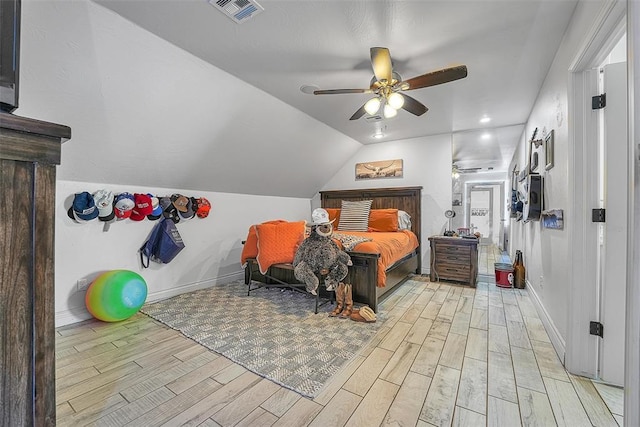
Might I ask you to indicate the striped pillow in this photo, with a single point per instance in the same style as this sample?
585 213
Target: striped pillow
354 216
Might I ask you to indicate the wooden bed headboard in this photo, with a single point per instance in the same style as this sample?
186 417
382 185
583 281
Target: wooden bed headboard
407 199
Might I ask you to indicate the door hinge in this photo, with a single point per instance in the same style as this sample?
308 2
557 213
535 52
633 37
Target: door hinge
599 101
596 328
598 215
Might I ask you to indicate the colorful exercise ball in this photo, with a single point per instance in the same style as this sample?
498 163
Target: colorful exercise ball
116 295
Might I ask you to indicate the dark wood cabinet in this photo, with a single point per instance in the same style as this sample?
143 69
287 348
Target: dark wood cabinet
29 153
455 259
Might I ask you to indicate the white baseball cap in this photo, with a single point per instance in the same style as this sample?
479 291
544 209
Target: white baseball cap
104 202
320 216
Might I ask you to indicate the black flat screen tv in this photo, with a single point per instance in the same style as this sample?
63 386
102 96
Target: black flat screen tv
9 54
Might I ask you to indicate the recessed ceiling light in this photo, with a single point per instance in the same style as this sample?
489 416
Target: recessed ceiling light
485 119
378 135
485 136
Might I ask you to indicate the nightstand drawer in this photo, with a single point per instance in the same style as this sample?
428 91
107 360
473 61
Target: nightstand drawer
453 250
453 272
446 258
454 268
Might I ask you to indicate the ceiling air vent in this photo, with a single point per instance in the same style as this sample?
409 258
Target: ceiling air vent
375 118
238 10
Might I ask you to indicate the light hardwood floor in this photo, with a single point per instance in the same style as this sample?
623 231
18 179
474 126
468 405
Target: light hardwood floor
446 355
488 255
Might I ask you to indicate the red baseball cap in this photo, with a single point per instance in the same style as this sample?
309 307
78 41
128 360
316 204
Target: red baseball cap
203 207
143 206
124 205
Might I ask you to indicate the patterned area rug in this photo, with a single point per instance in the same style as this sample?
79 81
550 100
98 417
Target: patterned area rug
274 332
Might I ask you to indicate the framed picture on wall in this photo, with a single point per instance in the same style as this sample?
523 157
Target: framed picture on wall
534 161
548 151
380 169
553 218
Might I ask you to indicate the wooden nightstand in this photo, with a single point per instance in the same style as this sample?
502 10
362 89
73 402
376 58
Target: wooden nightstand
455 259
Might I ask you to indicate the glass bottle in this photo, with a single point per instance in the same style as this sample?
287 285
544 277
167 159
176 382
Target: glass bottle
519 276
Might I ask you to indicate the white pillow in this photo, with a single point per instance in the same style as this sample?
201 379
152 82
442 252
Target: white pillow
354 216
404 220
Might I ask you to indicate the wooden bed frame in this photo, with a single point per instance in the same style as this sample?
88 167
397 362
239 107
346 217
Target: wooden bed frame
364 272
363 275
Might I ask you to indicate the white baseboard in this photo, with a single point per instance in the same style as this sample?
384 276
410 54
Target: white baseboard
168 293
557 341
78 314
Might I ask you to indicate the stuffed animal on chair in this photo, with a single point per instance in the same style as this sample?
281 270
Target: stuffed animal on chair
320 255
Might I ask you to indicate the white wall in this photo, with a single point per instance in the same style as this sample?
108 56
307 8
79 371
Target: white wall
545 251
145 112
426 162
212 245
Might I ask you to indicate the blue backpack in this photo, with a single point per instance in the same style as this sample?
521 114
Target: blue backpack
162 245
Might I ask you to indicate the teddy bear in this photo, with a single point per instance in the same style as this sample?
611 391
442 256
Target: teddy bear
319 254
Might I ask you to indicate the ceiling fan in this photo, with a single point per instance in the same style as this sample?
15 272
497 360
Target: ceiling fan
387 86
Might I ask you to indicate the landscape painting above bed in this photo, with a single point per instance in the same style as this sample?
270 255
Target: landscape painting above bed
380 169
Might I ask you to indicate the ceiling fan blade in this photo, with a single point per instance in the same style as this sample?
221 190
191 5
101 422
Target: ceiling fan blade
413 106
339 91
381 63
361 111
435 78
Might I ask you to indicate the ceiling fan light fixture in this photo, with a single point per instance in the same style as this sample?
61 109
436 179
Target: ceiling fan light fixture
389 111
372 106
395 100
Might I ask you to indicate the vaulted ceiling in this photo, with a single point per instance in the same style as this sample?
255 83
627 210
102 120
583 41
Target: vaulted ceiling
294 46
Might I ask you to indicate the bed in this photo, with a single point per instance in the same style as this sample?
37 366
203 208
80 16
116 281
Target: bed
365 272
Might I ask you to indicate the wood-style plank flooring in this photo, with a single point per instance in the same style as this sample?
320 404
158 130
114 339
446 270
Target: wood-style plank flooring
446 355
488 255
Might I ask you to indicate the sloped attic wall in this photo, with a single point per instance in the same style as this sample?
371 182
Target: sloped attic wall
145 112
149 117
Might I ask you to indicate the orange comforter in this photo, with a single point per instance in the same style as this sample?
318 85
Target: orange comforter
391 246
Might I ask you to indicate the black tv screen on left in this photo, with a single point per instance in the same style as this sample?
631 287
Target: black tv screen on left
9 53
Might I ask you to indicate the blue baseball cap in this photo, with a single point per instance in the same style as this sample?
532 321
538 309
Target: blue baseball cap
157 209
83 207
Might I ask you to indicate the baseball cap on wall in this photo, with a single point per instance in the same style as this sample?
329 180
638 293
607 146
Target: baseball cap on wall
104 202
142 208
124 204
83 207
180 202
190 212
203 207
156 212
169 210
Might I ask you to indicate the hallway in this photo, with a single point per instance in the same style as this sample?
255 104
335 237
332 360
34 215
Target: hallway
488 255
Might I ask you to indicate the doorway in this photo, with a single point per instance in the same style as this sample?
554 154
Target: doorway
598 257
485 211
613 189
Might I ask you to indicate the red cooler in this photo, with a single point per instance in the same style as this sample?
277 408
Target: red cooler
504 274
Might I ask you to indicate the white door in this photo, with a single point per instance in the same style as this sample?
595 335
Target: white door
480 212
614 250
